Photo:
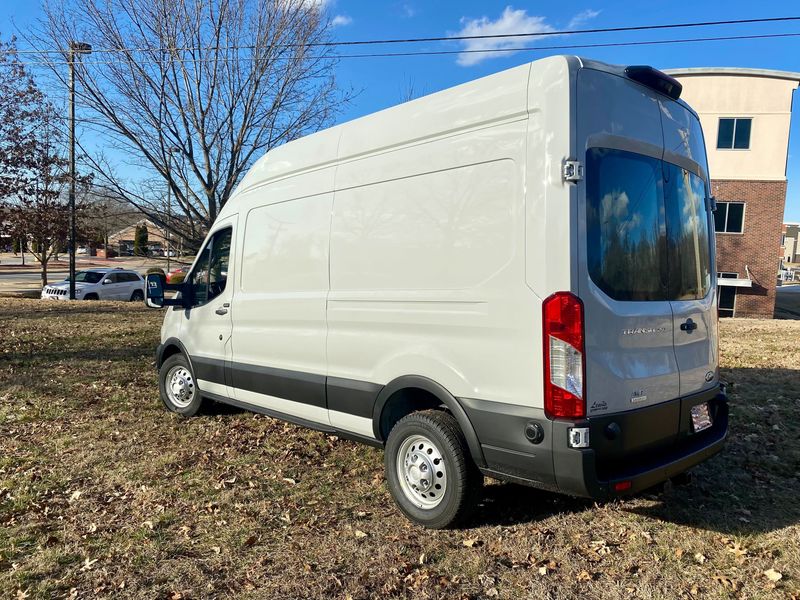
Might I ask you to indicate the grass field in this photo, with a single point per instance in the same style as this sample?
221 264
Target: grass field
104 494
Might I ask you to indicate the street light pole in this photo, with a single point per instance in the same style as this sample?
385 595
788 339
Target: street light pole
74 48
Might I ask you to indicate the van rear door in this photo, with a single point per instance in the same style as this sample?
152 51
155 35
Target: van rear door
622 248
691 245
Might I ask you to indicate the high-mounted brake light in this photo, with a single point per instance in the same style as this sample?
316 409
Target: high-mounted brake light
655 80
562 327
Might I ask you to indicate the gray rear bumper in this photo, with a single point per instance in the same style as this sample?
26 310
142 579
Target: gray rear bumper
645 448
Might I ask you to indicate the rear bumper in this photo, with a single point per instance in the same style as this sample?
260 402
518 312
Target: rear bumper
640 448
594 473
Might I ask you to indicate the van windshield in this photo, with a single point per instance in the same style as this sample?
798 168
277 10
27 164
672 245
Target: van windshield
647 228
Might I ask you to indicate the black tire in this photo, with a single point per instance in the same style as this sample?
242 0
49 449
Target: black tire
91 297
137 296
463 479
194 401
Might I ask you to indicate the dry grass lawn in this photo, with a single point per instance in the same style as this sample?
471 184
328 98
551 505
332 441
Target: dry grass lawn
104 494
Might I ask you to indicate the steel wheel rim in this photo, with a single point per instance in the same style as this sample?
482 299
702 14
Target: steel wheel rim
421 472
180 386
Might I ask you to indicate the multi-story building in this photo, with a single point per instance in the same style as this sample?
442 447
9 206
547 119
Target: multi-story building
790 243
745 114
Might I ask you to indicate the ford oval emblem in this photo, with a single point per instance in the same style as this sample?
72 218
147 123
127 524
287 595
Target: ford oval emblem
709 375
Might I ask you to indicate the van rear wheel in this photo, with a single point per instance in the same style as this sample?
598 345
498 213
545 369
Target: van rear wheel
177 386
429 471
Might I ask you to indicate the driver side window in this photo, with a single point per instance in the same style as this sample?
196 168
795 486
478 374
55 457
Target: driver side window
210 274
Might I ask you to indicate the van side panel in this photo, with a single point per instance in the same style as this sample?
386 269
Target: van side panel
427 267
550 201
279 332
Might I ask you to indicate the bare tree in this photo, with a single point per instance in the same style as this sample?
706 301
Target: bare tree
39 212
33 166
193 91
410 91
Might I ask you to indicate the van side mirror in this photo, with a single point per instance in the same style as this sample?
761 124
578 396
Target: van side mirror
106 281
154 290
712 201
155 286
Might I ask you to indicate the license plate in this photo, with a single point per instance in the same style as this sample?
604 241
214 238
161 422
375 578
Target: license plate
701 418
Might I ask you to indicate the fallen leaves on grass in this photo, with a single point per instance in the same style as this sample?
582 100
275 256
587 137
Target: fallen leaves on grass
241 504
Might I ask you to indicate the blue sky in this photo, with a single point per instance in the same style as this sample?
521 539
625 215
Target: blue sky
382 82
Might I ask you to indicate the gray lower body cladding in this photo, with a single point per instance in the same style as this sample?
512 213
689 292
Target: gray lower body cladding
644 446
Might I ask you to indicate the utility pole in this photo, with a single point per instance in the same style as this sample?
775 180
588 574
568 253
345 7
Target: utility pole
74 48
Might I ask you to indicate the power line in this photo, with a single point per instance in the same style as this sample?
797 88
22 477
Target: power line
445 52
577 46
424 39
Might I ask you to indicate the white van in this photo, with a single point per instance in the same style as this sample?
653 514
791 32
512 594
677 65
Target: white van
514 278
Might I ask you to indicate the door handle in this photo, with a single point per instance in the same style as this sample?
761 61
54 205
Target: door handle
224 311
688 326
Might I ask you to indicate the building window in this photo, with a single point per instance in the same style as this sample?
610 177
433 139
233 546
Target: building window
734 134
729 217
727 275
726 300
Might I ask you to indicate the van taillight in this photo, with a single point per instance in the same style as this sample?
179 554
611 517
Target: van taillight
562 326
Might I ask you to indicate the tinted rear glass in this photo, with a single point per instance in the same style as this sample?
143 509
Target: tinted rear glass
626 239
647 228
689 258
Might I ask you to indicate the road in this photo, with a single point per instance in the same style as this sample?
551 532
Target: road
32 276
14 277
787 302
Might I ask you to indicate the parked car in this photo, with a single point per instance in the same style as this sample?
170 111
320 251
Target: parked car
178 275
99 284
512 278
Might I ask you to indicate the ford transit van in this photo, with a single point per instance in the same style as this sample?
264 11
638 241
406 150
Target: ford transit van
511 278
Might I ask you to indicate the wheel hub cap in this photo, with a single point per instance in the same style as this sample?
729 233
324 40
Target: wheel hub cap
421 471
180 386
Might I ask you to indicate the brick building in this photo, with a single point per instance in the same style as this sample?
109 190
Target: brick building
122 241
745 114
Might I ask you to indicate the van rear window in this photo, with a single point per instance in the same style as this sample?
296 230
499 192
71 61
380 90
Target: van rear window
647 228
626 239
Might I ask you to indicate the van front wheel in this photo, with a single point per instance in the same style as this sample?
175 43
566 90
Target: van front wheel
177 386
429 471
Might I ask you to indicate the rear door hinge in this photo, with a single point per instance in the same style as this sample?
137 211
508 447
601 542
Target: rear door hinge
573 171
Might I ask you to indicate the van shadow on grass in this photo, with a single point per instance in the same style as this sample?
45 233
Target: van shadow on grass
751 487
506 504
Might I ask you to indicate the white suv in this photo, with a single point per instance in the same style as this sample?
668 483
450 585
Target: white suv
100 284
